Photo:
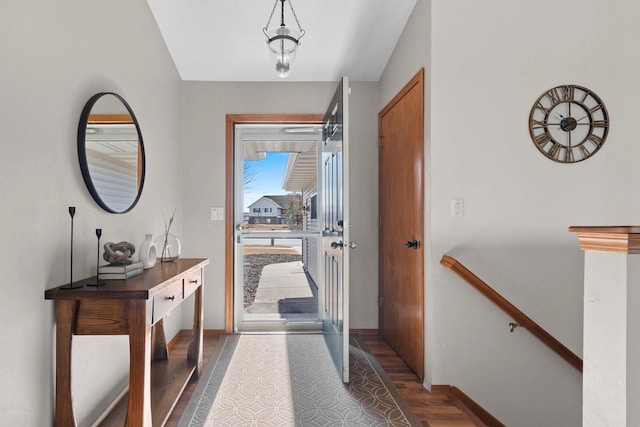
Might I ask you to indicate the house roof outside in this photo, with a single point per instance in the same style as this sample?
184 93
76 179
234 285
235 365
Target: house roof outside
281 200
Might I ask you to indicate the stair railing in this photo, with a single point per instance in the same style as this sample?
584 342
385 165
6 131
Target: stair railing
521 319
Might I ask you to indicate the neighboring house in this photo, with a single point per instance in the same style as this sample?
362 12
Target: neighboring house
269 210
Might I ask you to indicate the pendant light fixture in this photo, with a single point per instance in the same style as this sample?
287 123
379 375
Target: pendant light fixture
283 41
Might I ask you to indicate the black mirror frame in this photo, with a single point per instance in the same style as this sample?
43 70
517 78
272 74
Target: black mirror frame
82 157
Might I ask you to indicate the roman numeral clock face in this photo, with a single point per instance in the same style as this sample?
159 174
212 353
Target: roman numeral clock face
568 123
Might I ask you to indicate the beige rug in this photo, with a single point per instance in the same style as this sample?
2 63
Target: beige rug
290 380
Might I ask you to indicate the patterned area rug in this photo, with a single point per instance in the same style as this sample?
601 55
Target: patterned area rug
290 380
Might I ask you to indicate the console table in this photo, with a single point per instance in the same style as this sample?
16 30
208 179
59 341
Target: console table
133 307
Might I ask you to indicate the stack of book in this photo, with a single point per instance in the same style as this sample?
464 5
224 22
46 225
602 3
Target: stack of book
106 272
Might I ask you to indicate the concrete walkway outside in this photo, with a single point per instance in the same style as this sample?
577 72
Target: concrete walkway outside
284 292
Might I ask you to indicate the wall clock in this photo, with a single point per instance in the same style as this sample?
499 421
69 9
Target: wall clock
568 123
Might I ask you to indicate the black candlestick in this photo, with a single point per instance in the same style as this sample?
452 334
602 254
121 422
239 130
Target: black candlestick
98 234
71 285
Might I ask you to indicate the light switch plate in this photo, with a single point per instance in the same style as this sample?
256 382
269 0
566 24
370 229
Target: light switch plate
217 214
457 208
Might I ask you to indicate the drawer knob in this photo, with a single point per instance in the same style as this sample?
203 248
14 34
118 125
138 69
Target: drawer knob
193 281
171 298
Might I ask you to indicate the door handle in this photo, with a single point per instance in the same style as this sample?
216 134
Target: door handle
340 244
412 244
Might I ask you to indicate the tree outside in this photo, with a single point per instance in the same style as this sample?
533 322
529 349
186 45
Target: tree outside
295 211
248 175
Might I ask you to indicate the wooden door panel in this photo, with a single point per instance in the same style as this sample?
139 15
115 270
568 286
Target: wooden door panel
401 195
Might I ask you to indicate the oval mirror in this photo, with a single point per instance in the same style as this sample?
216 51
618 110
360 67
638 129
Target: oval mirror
111 152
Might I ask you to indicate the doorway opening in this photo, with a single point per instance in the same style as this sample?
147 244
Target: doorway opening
333 223
276 242
332 228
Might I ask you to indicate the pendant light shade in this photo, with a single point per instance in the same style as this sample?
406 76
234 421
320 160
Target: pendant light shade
283 41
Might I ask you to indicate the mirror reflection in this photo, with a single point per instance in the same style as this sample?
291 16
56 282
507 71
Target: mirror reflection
111 152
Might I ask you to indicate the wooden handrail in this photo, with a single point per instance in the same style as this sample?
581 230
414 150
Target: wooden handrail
512 311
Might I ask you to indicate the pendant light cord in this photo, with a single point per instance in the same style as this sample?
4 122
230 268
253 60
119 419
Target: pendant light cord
282 14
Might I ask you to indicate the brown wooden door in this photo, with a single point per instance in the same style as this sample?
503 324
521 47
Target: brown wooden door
401 195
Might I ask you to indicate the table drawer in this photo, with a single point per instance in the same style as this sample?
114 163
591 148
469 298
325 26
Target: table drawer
191 282
166 300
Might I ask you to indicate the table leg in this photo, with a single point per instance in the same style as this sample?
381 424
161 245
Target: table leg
159 346
65 313
194 354
139 409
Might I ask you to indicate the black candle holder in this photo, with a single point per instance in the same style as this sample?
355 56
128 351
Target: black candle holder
97 283
71 285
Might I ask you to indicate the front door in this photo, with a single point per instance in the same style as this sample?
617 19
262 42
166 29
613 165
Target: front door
401 195
334 184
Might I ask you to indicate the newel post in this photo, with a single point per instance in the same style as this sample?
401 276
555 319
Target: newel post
611 352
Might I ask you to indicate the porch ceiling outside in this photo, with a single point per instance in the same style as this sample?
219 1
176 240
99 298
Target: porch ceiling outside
257 149
301 171
299 140
259 139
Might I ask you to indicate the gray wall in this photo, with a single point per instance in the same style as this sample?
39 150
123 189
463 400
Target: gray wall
204 109
55 55
489 62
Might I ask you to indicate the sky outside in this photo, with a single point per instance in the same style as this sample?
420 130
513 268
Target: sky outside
268 177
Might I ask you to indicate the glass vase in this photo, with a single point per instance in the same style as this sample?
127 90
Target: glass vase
167 247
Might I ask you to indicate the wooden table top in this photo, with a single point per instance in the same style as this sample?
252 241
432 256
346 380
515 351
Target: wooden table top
142 286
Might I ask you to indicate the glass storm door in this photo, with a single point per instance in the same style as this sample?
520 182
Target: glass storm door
334 179
277 239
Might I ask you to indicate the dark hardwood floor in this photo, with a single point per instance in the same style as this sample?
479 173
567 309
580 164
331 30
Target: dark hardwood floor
434 410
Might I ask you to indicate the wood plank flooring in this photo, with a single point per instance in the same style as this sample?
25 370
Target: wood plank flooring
434 410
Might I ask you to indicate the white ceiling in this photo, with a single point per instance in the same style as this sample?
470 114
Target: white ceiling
215 40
